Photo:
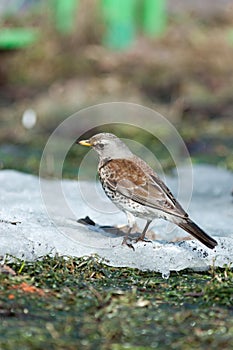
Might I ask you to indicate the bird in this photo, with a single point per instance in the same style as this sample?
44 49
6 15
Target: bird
137 190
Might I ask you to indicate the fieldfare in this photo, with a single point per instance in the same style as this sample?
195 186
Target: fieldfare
136 189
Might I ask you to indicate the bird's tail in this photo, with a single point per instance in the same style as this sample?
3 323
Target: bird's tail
198 233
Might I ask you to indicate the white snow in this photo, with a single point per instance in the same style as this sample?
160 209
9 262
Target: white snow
48 211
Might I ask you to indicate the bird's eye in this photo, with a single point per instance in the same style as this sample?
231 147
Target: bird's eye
100 145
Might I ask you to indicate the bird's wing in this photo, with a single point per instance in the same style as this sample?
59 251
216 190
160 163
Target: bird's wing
146 189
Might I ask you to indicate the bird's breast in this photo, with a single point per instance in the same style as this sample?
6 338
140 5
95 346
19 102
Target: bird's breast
117 170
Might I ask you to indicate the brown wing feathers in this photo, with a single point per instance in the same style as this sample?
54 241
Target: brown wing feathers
133 183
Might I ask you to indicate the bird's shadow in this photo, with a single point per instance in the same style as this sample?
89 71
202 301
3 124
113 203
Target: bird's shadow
113 231
121 231
106 230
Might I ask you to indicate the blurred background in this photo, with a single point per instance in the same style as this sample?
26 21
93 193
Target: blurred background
59 56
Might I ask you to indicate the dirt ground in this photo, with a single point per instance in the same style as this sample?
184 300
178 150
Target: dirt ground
200 7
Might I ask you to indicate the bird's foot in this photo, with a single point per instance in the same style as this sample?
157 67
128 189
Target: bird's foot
142 239
127 241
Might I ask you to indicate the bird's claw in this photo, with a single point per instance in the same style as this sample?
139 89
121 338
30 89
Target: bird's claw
142 239
129 241
126 242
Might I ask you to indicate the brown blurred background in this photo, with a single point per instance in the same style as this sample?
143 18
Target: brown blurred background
63 63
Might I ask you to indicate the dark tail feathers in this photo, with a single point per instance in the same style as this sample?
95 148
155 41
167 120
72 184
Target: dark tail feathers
198 233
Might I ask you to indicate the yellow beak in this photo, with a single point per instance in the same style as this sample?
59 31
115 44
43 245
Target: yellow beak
85 143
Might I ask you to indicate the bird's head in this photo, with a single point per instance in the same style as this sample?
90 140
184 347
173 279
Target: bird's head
108 146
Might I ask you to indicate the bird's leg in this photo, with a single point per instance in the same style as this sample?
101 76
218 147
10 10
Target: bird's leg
142 237
131 222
